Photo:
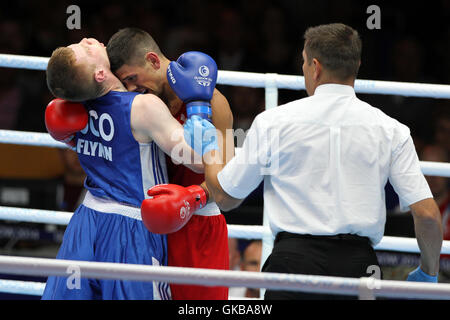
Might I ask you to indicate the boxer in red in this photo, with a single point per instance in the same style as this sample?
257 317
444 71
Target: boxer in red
139 63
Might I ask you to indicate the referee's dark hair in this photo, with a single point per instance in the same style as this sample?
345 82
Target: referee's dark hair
129 46
337 47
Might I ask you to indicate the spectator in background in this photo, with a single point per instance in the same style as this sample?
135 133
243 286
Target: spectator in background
10 99
251 261
43 33
408 60
408 65
442 127
152 21
182 39
12 39
190 28
111 16
31 119
11 42
230 37
246 104
73 181
235 253
235 264
278 51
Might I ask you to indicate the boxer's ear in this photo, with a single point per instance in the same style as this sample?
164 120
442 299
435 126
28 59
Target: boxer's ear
153 59
99 75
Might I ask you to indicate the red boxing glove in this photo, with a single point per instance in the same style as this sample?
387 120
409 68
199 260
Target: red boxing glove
63 119
171 207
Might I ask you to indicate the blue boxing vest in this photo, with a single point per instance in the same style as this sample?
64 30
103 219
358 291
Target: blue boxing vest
117 166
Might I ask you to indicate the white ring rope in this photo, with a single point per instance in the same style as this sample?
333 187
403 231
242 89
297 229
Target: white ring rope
441 169
23 62
258 80
291 82
40 139
275 281
35 215
31 288
234 231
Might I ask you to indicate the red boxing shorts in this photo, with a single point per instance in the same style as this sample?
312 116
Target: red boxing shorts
201 243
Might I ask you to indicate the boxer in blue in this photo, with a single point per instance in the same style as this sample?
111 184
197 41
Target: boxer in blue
120 138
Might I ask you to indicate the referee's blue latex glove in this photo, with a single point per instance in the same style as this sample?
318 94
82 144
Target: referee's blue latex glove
419 276
200 134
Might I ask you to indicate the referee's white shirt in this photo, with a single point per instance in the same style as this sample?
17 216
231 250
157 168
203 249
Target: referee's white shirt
325 161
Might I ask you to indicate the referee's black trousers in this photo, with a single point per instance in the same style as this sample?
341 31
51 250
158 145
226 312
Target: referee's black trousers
338 256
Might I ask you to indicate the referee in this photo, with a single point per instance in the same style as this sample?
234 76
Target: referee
325 161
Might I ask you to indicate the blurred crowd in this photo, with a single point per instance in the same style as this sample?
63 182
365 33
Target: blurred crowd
413 45
248 35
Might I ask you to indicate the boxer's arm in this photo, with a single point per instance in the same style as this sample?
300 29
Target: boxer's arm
222 118
214 165
151 120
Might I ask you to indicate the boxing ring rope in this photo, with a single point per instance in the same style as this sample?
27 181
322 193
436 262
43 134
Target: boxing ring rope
271 82
364 287
258 80
440 169
234 231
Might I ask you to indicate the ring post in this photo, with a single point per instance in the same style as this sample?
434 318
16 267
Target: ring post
271 96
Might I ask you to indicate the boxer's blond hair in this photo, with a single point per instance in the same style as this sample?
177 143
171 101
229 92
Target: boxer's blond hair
69 80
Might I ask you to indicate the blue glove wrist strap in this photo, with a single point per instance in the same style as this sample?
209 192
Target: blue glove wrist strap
200 108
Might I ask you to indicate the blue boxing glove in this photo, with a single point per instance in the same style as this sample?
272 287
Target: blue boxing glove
200 134
193 79
420 276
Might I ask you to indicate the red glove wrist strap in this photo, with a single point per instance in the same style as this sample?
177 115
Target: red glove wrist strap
202 193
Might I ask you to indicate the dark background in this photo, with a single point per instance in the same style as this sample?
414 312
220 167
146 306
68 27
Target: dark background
249 35
413 45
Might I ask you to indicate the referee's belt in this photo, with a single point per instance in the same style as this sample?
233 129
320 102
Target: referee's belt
342 236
